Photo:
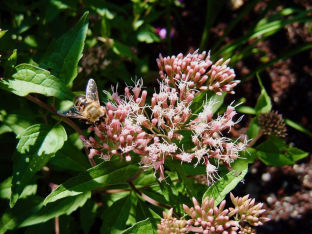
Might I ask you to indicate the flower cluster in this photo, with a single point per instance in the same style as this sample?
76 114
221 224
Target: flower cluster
198 72
272 124
206 218
154 131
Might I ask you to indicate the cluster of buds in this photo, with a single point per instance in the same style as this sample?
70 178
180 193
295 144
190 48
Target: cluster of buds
198 72
272 123
154 131
208 219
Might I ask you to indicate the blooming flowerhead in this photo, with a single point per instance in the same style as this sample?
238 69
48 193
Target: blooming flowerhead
155 131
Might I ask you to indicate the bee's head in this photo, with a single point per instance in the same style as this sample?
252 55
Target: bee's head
80 99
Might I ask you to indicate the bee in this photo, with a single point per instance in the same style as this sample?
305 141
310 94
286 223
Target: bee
87 107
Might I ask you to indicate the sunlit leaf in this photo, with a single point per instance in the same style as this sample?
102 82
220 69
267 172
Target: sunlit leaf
223 186
5 189
2 32
63 55
148 226
36 146
56 209
106 173
31 79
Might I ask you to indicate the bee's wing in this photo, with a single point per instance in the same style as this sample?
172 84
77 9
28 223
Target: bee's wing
92 92
72 113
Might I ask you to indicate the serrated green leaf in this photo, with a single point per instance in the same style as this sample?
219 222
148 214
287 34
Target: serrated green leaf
224 185
275 152
115 217
36 146
5 189
63 54
10 64
2 32
31 79
87 215
264 104
177 167
106 173
56 209
24 209
253 129
148 226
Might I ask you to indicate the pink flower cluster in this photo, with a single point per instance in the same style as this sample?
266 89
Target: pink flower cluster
153 132
206 218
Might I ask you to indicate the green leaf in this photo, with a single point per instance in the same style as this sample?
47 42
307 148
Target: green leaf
53 9
2 32
70 158
264 104
31 79
275 152
177 167
36 146
5 189
246 110
148 226
106 173
298 127
17 121
87 215
10 64
63 54
224 185
56 209
191 170
253 129
115 217
121 49
142 211
246 157
203 97
171 194
24 209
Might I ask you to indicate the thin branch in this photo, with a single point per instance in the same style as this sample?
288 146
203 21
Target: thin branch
66 120
57 225
251 143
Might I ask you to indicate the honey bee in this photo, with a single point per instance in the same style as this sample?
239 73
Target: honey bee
86 107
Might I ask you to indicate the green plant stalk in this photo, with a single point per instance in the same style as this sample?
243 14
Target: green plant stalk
66 120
